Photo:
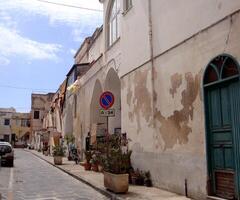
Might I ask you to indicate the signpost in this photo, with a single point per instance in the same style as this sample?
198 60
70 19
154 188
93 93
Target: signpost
107 113
106 101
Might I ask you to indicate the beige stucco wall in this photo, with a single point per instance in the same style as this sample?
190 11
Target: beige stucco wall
162 104
16 124
174 21
40 102
5 113
85 97
67 116
172 145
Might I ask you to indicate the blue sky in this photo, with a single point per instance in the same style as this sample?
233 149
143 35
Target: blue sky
37 43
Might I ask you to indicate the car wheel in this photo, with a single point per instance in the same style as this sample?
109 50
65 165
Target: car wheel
10 163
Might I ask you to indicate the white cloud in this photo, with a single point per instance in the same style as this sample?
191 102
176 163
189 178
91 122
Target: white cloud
4 61
80 22
6 19
12 43
57 13
72 51
78 35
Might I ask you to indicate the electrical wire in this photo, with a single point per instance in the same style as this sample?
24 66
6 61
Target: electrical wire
25 88
71 6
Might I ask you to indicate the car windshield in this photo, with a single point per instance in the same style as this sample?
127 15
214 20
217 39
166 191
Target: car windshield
5 149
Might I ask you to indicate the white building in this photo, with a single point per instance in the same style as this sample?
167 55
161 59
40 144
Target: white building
173 68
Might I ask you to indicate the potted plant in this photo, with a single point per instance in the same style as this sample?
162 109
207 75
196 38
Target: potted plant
140 178
116 163
94 163
70 139
58 153
88 157
45 150
137 177
133 177
147 179
100 163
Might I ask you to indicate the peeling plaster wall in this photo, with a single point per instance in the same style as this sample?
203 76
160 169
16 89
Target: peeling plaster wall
169 139
164 117
41 103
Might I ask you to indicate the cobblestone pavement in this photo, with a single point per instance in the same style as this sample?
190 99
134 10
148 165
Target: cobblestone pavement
34 179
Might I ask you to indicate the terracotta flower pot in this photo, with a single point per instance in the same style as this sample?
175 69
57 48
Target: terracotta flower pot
87 166
118 183
57 160
94 167
100 168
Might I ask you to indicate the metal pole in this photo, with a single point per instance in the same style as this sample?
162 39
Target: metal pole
107 125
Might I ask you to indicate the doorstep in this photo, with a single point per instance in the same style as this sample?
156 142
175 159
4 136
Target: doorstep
95 180
214 198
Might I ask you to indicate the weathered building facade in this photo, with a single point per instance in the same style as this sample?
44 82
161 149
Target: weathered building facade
174 72
20 128
5 124
52 121
40 105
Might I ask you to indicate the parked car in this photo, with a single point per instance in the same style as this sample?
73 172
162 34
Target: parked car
6 154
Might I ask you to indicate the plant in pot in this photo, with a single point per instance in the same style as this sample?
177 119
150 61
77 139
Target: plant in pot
70 139
58 153
137 177
116 164
100 163
45 150
140 178
94 163
147 179
133 177
88 157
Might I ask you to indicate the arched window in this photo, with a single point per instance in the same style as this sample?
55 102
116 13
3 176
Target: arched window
114 22
221 68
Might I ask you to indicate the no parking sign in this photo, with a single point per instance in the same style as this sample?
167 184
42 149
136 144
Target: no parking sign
106 100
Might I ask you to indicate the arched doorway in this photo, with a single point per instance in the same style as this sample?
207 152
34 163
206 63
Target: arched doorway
97 123
222 108
113 84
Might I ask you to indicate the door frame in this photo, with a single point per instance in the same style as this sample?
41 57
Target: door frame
231 80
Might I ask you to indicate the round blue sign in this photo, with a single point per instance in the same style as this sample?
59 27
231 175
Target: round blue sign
106 100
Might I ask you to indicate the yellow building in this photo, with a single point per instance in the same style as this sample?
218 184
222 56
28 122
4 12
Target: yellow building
20 127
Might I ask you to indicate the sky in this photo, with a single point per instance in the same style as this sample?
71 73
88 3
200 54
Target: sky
38 40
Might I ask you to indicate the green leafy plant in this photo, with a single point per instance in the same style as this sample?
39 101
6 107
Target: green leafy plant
69 138
94 159
88 156
59 150
147 179
113 158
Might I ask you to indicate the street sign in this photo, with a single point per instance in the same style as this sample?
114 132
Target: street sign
106 100
107 113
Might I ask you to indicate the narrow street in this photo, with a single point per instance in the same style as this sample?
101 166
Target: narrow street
32 178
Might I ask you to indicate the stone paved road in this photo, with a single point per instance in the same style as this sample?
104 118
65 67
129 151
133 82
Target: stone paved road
34 179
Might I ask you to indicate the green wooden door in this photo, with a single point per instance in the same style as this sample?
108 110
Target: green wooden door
220 141
222 105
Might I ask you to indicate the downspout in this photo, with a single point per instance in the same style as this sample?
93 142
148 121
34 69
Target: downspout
150 29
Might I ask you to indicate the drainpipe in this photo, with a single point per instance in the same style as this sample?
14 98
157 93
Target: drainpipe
151 59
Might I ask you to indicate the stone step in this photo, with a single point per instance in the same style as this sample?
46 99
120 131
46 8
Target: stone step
215 198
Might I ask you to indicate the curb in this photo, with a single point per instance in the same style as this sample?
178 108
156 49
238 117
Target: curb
106 193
